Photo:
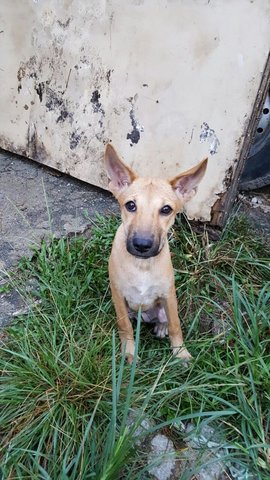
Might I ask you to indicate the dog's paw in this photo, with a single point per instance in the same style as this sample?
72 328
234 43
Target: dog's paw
128 347
161 330
129 358
128 350
183 353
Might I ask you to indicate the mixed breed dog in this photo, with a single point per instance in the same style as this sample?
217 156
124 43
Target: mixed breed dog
140 268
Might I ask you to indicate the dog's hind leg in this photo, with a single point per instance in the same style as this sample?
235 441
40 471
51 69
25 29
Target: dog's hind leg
161 326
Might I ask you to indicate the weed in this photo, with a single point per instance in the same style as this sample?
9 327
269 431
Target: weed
66 392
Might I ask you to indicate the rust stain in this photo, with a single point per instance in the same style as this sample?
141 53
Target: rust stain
35 147
26 69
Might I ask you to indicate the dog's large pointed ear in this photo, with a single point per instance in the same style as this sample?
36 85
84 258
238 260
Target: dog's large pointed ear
185 184
119 174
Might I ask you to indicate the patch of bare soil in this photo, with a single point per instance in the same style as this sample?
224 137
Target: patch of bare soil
256 205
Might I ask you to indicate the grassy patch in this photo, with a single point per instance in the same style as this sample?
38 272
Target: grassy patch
65 391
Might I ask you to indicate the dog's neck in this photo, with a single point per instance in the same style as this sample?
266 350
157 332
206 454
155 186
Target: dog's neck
144 264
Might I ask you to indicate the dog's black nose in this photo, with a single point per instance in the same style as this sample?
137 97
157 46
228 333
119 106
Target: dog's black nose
142 244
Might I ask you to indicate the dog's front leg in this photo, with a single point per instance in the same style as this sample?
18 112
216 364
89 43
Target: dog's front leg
174 328
123 323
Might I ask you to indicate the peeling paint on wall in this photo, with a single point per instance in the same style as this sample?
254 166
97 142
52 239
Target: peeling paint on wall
135 134
95 100
209 135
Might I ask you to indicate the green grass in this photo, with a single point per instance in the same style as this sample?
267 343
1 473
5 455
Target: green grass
65 391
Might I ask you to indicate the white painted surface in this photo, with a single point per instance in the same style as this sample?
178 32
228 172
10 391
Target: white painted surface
75 74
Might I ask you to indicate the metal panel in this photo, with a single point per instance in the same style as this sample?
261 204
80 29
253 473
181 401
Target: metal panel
166 81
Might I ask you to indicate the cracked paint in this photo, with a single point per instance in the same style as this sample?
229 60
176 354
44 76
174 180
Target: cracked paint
135 134
209 135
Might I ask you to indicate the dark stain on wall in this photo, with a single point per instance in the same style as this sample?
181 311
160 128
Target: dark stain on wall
26 69
98 108
228 177
135 135
108 75
74 140
64 25
53 100
39 88
56 103
35 147
96 103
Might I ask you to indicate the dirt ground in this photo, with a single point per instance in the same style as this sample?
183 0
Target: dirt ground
256 205
37 201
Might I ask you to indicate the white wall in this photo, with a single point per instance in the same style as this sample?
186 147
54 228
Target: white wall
75 74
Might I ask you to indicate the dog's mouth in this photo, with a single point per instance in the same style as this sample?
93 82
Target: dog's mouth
143 246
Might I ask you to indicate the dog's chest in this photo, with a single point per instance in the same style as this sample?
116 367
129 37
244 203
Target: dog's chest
142 290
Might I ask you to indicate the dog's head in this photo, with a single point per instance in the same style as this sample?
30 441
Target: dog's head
149 205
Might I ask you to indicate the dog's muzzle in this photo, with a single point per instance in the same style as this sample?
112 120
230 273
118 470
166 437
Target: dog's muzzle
142 246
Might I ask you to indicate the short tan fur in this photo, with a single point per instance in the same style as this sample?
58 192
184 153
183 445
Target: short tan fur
140 267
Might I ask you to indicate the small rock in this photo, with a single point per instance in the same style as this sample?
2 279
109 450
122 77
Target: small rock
143 426
163 452
204 452
27 309
206 437
256 201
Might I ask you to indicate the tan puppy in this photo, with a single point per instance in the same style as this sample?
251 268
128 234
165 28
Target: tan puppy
140 267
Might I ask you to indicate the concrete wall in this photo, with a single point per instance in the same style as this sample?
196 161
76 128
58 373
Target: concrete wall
167 81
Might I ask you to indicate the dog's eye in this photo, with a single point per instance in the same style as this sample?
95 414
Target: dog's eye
166 210
131 206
